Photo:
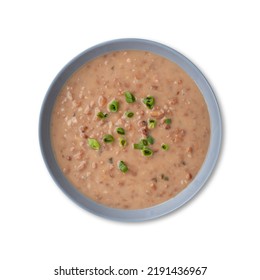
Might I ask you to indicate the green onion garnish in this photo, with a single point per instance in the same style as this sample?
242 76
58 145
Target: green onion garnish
108 138
168 121
129 114
144 142
102 115
122 166
129 98
113 106
149 102
138 146
147 152
165 147
122 142
93 143
141 144
120 130
151 124
150 139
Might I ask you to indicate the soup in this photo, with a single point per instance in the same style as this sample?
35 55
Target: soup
130 129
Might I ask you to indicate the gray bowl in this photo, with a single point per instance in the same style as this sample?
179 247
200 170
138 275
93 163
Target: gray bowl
120 214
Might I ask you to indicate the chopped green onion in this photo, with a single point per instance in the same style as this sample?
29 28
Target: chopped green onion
168 121
138 146
129 114
122 166
150 139
102 115
113 106
151 124
144 142
147 152
122 142
120 130
108 138
129 97
165 147
93 143
149 102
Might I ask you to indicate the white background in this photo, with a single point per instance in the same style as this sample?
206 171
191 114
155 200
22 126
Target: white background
41 228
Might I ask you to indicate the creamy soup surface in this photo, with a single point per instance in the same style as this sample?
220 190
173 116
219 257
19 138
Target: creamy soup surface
130 129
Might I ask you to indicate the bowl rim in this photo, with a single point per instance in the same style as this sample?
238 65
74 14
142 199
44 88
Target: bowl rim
160 209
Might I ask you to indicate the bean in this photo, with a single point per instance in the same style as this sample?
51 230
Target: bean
158 114
188 176
82 165
79 155
69 158
142 123
102 101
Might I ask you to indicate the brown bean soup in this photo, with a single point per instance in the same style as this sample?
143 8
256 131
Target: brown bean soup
130 129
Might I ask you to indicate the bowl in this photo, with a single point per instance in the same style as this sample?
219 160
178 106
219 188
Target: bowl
157 210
